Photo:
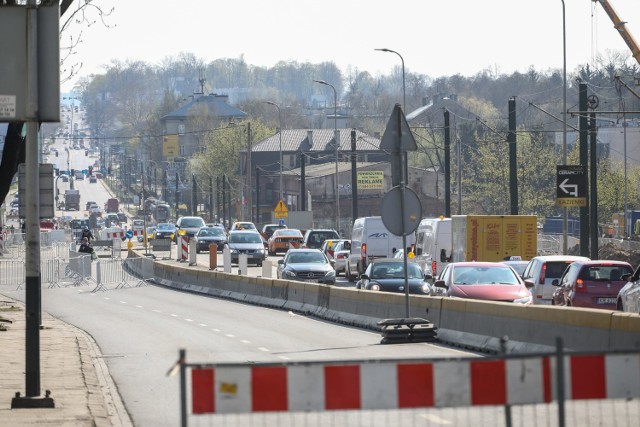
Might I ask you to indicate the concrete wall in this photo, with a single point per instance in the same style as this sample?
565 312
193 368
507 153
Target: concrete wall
467 323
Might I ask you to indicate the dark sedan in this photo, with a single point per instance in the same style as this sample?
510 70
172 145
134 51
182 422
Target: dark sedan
387 275
306 265
165 230
208 235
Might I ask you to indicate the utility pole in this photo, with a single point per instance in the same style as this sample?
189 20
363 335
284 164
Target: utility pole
447 165
513 172
584 143
354 178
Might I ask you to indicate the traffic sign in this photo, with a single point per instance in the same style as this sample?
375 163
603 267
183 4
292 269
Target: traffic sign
129 234
397 134
281 210
571 188
390 209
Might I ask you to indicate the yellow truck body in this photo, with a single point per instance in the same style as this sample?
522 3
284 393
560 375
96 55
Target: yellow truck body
493 238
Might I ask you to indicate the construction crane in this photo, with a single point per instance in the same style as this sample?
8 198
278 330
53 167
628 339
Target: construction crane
619 25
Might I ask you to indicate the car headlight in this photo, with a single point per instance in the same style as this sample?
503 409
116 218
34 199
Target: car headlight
374 286
330 273
523 300
233 250
182 232
289 273
426 289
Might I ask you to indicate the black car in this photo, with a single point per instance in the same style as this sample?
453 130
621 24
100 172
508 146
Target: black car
387 275
208 235
165 230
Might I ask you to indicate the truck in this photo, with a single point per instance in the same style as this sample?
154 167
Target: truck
493 238
371 239
433 245
72 200
112 205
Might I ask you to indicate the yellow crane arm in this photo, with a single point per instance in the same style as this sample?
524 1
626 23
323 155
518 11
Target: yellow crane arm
619 25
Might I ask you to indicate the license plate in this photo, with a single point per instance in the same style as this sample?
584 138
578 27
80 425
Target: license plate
606 301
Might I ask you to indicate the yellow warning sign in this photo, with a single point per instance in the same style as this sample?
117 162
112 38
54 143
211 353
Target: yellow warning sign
281 210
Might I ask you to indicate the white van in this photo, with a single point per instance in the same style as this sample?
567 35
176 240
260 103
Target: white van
371 239
433 245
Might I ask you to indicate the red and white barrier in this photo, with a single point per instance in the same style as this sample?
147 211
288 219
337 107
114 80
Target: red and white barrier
184 252
410 384
112 233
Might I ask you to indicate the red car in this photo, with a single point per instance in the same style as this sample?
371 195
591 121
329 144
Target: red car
492 281
592 284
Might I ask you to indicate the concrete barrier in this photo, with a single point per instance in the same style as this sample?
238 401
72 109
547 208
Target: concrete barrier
469 323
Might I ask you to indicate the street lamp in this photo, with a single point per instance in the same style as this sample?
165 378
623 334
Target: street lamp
404 108
404 93
280 134
565 211
337 141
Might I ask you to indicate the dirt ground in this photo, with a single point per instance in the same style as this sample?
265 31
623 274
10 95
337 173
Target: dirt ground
612 252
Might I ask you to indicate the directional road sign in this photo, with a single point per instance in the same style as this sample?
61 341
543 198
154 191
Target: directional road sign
571 188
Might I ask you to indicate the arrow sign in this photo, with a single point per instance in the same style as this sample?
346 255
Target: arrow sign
564 186
571 186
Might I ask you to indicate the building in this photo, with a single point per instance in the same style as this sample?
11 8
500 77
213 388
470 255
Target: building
186 126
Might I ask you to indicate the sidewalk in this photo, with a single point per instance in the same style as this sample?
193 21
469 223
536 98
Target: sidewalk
71 367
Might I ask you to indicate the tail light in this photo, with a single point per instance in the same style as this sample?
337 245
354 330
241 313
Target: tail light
434 268
580 286
340 256
542 273
363 251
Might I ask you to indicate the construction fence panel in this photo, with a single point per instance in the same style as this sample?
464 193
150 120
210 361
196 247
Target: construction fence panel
523 389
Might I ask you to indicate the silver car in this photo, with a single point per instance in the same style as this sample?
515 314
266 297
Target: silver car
629 296
306 265
542 271
248 242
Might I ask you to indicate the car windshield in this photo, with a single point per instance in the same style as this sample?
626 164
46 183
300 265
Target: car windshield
306 257
166 226
394 270
244 225
245 238
191 222
483 275
211 232
80 223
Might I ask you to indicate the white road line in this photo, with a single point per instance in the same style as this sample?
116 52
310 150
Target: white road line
202 324
139 306
174 315
123 302
266 350
229 335
283 358
436 419
157 311
215 330
245 341
188 320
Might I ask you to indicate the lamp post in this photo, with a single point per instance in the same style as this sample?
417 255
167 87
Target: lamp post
280 135
404 93
337 141
404 108
565 212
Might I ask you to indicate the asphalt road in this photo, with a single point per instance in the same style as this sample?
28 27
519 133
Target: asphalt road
140 331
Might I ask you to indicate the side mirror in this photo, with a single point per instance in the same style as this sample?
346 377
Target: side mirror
332 262
555 282
428 276
528 283
347 246
364 277
627 277
439 284
443 255
280 261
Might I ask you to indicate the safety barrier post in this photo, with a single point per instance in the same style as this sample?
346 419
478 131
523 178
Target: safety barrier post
242 264
267 269
184 242
213 256
226 259
192 252
178 249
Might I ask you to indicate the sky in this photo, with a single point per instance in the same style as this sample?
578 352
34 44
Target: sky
434 37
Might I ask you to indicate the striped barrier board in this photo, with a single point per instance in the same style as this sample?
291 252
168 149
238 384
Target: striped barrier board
184 243
410 384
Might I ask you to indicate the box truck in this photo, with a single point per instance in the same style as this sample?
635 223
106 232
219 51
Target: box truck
493 238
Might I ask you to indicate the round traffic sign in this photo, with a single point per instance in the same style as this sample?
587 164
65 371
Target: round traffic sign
129 234
391 211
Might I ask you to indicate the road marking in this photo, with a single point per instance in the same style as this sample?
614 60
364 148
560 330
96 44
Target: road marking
283 358
123 302
245 341
107 298
139 306
436 419
157 311
188 320
174 315
266 350
230 335
215 330
201 324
